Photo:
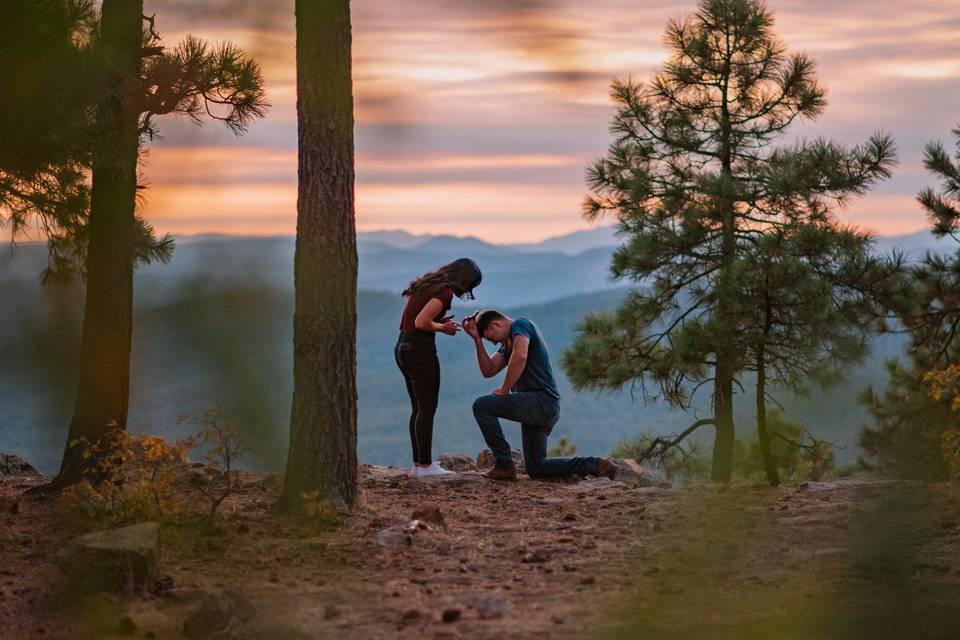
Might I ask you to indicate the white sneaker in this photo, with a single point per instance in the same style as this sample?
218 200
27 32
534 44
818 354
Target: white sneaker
433 470
412 471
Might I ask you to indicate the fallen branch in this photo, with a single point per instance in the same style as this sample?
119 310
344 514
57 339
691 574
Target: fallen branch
660 445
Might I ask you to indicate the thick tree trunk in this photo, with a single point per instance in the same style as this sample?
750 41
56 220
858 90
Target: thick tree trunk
104 386
323 420
763 438
722 465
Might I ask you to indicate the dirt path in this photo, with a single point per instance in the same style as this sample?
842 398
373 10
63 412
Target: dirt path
531 560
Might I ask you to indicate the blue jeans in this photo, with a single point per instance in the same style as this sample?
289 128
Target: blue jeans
537 413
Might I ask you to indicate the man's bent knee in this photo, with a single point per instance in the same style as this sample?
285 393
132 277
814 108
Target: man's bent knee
482 405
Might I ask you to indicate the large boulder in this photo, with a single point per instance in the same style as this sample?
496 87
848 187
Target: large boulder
485 460
116 559
632 474
11 465
458 462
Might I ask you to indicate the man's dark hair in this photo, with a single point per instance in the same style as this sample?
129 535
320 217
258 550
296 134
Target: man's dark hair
484 318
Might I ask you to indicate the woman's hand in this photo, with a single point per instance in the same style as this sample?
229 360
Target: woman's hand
449 327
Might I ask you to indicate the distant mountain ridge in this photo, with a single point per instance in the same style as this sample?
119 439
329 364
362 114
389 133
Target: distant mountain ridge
603 237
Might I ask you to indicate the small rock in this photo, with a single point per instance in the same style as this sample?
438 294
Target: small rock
556 619
393 537
411 614
219 615
457 462
15 466
595 484
162 585
429 512
127 625
535 557
485 459
331 612
489 609
450 615
631 473
588 580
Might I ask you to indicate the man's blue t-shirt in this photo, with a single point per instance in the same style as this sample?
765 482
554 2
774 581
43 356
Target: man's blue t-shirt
537 374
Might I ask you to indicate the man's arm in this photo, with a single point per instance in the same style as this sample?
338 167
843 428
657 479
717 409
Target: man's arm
489 366
518 360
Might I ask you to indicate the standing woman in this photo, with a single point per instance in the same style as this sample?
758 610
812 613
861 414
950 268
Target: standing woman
429 298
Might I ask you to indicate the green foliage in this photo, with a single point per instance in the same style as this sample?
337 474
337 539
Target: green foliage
684 461
797 455
61 70
562 448
905 434
50 84
145 477
912 433
226 446
730 240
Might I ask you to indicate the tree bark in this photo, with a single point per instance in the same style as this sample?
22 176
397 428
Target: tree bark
104 386
763 438
722 463
323 420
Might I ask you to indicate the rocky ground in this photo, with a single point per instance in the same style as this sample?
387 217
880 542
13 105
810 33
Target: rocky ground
467 558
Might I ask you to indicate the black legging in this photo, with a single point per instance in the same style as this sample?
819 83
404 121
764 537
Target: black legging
421 370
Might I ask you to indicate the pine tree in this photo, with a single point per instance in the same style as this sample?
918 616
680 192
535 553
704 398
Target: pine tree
322 461
694 181
813 293
137 81
906 435
49 77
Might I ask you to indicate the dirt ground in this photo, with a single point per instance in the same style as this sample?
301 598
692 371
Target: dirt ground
468 558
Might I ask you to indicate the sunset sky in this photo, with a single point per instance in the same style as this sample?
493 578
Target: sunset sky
478 117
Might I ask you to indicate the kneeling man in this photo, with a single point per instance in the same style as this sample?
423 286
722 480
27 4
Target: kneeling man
528 395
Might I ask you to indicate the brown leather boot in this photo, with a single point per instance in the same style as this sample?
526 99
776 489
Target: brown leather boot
501 473
607 468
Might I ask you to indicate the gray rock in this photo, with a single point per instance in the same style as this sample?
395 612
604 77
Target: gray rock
464 477
485 460
116 559
15 466
220 615
488 609
633 474
457 462
377 472
596 484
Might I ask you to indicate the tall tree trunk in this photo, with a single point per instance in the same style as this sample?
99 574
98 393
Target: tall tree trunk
323 420
763 438
104 386
722 464
725 371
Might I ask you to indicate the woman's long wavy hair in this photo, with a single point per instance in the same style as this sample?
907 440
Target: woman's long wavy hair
461 275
